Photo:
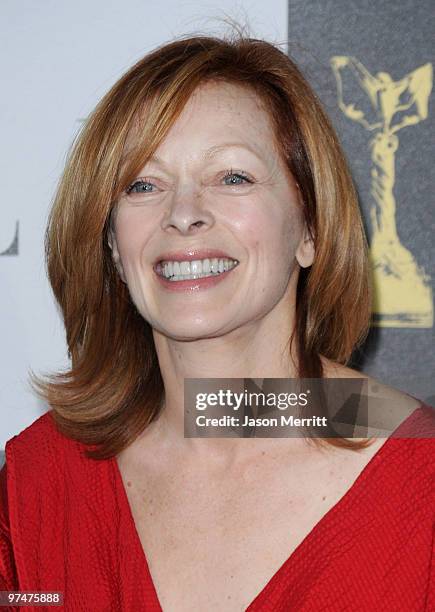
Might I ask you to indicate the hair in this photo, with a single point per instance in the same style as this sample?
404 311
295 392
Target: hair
114 388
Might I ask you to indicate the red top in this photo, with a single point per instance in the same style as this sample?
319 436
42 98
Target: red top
66 525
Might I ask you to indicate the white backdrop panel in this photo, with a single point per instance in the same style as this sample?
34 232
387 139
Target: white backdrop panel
58 58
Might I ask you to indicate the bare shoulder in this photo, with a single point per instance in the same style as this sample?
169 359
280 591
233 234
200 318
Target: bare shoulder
393 399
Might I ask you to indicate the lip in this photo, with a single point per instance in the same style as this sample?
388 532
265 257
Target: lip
191 255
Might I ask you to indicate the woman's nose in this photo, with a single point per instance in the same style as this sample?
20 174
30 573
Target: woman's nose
188 212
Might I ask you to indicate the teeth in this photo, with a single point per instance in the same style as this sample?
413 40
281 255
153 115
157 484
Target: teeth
189 276
198 268
185 267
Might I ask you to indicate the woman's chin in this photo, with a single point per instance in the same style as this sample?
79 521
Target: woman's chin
191 331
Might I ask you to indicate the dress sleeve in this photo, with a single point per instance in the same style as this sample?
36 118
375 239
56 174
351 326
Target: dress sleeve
8 572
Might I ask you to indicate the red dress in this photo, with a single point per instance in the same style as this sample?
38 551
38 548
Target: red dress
66 525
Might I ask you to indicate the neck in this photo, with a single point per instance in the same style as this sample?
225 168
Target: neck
258 350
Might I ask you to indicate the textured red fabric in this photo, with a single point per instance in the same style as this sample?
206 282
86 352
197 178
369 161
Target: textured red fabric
66 525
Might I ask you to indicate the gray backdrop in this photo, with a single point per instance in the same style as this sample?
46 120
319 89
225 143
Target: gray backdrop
393 38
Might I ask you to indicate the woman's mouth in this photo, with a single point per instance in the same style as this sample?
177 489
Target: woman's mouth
176 271
194 275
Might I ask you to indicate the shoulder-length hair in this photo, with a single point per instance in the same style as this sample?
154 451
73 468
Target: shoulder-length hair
114 387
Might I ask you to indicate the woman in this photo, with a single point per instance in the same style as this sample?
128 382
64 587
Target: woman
214 151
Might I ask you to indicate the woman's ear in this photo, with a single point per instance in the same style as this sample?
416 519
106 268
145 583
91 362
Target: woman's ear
113 245
305 251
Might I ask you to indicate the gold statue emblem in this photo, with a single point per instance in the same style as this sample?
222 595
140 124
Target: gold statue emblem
403 294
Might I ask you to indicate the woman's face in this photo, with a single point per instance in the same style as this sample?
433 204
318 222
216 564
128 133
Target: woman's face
216 182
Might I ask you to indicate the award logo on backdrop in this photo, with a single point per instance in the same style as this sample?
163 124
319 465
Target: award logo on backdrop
403 294
13 247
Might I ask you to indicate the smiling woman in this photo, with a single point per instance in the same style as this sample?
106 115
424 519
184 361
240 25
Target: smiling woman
206 226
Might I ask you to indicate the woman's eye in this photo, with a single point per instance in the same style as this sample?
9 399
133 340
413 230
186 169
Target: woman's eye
138 187
236 178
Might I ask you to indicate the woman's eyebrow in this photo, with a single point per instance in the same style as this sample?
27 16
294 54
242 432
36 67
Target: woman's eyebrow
231 145
209 153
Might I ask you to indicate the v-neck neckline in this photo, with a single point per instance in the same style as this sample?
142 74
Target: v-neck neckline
320 525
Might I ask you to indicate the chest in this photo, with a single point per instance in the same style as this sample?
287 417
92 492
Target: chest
213 542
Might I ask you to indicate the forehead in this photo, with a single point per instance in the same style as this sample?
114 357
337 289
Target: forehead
215 111
227 98
224 106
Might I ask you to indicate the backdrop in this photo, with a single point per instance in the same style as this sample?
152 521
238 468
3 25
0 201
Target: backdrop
371 64
58 59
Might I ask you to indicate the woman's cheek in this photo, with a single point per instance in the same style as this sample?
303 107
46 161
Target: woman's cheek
131 238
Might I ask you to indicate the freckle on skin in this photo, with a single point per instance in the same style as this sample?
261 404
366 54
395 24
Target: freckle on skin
128 483
323 498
